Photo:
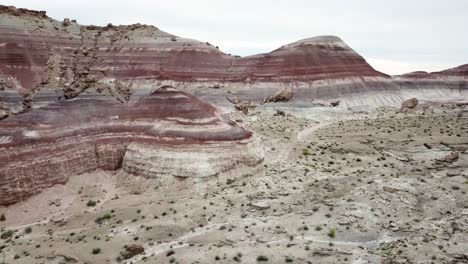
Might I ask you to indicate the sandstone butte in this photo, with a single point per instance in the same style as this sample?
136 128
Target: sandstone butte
75 98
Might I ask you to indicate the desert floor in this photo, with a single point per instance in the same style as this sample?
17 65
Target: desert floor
336 187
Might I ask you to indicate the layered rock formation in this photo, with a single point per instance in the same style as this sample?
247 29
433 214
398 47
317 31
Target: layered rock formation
457 72
446 85
42 59
38 53
455 78
168 133
94 90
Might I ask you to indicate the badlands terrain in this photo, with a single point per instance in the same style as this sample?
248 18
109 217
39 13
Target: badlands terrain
380 187
127 144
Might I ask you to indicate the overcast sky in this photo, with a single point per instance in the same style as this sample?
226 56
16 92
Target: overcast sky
394 36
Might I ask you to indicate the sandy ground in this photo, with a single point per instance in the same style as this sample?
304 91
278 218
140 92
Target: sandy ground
335 187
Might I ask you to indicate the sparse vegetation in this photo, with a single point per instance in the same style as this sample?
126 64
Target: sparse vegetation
337 183
229 181
7 234
28 230
103 218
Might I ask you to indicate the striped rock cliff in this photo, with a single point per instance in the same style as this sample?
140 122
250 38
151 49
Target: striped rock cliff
166 134
75 98
451 76
42 59
450 84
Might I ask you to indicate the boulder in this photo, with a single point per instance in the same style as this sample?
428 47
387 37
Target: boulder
452 157
131 251
409 104
241 105
283 95
66 22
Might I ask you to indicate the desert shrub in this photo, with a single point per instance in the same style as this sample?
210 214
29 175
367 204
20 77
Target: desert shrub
103 218
7 234
28 230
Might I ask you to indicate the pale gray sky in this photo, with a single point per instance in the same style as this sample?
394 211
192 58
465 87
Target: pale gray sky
394 36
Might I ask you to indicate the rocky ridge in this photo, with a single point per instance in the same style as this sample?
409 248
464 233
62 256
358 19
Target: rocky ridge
453 78
40 54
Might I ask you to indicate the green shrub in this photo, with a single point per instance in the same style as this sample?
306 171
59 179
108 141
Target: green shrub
96 251
7 234
101 219
28 230
91 203
262 258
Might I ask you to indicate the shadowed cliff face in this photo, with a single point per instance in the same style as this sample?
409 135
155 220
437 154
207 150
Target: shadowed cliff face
43 147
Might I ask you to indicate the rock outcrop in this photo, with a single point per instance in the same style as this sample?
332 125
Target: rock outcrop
241 105
283 95
168 133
